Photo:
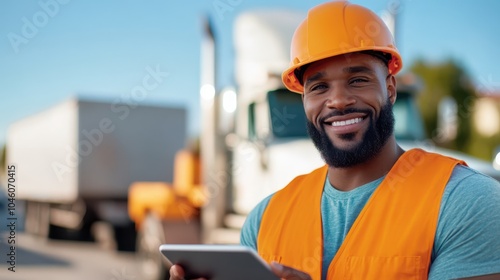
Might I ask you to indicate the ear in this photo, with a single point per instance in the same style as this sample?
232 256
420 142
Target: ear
391 88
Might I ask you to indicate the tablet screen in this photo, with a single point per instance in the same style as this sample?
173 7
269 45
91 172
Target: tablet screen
218 262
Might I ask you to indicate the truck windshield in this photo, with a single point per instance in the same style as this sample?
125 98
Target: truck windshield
409 124
287 114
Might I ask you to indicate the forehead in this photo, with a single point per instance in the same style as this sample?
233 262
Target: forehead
343 62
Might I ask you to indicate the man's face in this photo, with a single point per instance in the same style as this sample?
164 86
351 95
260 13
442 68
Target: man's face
348 103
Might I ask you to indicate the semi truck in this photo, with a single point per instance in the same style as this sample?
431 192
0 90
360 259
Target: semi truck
75 162
253 141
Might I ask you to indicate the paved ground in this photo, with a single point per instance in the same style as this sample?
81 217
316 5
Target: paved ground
57 260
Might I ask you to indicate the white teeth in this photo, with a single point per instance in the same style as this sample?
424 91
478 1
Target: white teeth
348 122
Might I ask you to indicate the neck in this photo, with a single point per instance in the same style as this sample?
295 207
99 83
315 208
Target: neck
349 178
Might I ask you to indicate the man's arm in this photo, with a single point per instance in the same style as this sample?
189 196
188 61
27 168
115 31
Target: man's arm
250 230
467 240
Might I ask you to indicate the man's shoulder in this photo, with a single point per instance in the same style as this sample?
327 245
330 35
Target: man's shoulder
467 186
466 177
469 189
468 167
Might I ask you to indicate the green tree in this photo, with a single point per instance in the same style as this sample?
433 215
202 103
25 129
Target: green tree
440 80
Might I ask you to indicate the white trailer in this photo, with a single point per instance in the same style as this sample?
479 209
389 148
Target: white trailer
76 161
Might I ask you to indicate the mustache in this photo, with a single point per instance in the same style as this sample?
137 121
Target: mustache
335 113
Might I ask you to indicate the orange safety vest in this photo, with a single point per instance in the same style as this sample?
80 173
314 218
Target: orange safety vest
392 238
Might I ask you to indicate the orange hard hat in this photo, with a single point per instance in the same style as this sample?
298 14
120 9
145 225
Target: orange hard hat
336 28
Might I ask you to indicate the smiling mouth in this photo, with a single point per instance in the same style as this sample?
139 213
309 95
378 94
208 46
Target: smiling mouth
346 122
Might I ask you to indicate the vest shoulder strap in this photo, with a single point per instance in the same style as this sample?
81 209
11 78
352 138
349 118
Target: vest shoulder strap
292 219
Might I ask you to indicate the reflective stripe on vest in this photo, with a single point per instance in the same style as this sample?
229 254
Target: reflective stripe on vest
392 238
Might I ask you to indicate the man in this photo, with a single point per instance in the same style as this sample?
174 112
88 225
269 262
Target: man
374 211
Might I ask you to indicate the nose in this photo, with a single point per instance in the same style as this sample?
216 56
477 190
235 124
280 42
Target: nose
339 98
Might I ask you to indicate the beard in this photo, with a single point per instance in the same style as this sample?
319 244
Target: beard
379 131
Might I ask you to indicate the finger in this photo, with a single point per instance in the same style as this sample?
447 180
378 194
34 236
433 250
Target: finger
288 273
176 272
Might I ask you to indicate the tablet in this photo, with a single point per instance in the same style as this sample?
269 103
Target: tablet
218 262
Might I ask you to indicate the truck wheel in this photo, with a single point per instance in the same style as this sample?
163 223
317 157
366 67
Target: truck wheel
149 239
125 237
81 233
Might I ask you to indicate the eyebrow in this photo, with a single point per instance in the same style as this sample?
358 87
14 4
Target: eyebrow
314 77
348 70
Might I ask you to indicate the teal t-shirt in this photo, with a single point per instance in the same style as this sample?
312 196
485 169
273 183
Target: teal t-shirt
467 241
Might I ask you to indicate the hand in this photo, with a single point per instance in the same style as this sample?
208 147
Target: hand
177 273
288 273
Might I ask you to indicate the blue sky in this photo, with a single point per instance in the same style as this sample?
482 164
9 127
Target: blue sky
53 49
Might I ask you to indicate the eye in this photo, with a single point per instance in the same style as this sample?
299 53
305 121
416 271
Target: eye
317 87
358 81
